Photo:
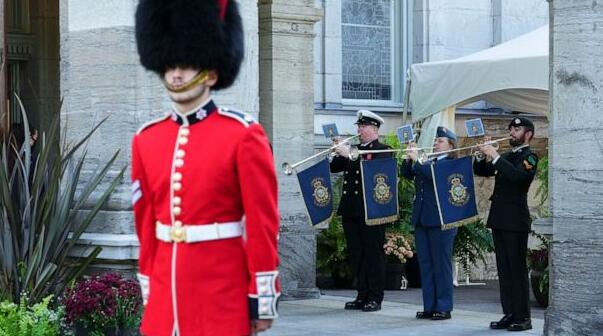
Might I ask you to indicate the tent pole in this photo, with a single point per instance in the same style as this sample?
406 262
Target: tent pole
406 97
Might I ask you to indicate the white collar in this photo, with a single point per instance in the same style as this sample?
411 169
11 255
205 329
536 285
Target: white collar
366 144
196 109
518 148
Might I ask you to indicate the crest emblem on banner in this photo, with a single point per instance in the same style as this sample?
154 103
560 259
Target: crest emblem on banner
321 193
381 192
458 192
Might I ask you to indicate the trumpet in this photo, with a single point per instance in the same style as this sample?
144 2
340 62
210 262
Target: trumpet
494 143
289 168
423 156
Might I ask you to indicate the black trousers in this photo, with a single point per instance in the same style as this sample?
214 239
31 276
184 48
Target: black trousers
367 257
511 252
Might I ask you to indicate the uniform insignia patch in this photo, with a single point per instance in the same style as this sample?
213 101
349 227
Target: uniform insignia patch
201 114
321 193
532 159
136 192
381 192
458 192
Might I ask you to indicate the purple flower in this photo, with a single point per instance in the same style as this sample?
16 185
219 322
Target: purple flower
102 300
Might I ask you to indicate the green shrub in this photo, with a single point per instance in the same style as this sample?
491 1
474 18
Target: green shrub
24 320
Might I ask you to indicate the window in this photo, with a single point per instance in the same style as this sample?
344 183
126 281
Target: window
17 16
371 61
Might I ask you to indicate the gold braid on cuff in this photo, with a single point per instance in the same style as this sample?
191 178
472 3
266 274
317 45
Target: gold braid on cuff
197 80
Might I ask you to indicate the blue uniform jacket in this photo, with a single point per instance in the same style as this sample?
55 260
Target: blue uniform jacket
425 207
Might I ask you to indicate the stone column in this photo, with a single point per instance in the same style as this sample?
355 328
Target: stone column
576 170
101 76
2 70
286 111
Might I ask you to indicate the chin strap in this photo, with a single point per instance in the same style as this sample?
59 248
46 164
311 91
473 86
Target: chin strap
199 79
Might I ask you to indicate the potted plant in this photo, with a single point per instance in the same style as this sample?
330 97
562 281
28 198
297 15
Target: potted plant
46 204
397 247
104 304
472 244
538 264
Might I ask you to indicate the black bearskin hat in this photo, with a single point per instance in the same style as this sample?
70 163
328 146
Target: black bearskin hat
203 34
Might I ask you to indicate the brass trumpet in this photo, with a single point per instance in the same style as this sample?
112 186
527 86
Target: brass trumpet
494 143
422 155
289 168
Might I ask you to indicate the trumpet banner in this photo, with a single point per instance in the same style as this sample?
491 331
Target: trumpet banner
380 189
316 189
455 192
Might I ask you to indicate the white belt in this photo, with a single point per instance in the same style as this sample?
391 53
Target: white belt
198 233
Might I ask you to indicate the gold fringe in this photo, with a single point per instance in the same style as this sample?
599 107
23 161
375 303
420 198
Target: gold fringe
382 220
460 223
326 221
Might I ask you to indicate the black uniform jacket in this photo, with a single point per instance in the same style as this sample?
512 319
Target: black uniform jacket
514 173
352 200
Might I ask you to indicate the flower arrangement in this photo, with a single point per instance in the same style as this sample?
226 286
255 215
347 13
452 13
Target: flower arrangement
104 302
397 247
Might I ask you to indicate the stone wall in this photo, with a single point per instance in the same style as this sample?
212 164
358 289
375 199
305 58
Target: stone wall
101 77
576 172
286 111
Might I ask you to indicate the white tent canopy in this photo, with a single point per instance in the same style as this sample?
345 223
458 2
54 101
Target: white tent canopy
513 74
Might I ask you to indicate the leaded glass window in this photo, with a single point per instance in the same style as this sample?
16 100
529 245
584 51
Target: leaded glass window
367 53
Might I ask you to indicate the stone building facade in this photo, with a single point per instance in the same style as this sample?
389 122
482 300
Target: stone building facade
303 66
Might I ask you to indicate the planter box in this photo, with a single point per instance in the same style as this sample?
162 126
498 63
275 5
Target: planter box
394 274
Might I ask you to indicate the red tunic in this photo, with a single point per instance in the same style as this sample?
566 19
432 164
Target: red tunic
212 166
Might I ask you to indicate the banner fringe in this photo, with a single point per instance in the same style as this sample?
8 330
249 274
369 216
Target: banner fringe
460 223
326 221
382 220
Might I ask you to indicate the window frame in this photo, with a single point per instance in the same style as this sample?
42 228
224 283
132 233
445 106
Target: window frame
400 55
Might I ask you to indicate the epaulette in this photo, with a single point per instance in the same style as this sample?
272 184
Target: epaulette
151 123
239 116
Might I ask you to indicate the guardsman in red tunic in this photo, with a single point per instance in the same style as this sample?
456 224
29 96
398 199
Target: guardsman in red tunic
204 187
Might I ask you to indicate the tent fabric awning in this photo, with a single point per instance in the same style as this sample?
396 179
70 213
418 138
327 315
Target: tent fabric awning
514 74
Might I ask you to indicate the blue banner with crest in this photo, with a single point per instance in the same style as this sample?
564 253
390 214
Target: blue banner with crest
455 192
315 185
380 188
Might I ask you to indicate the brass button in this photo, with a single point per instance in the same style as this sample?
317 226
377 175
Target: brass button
180 153
358 172
177 176
345 182
183 140
178 223
179 163
177 210
177 186
356 192
356 181
185 131
177 200
345 192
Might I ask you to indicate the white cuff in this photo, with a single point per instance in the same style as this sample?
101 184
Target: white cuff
496 159
267 294
145 286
